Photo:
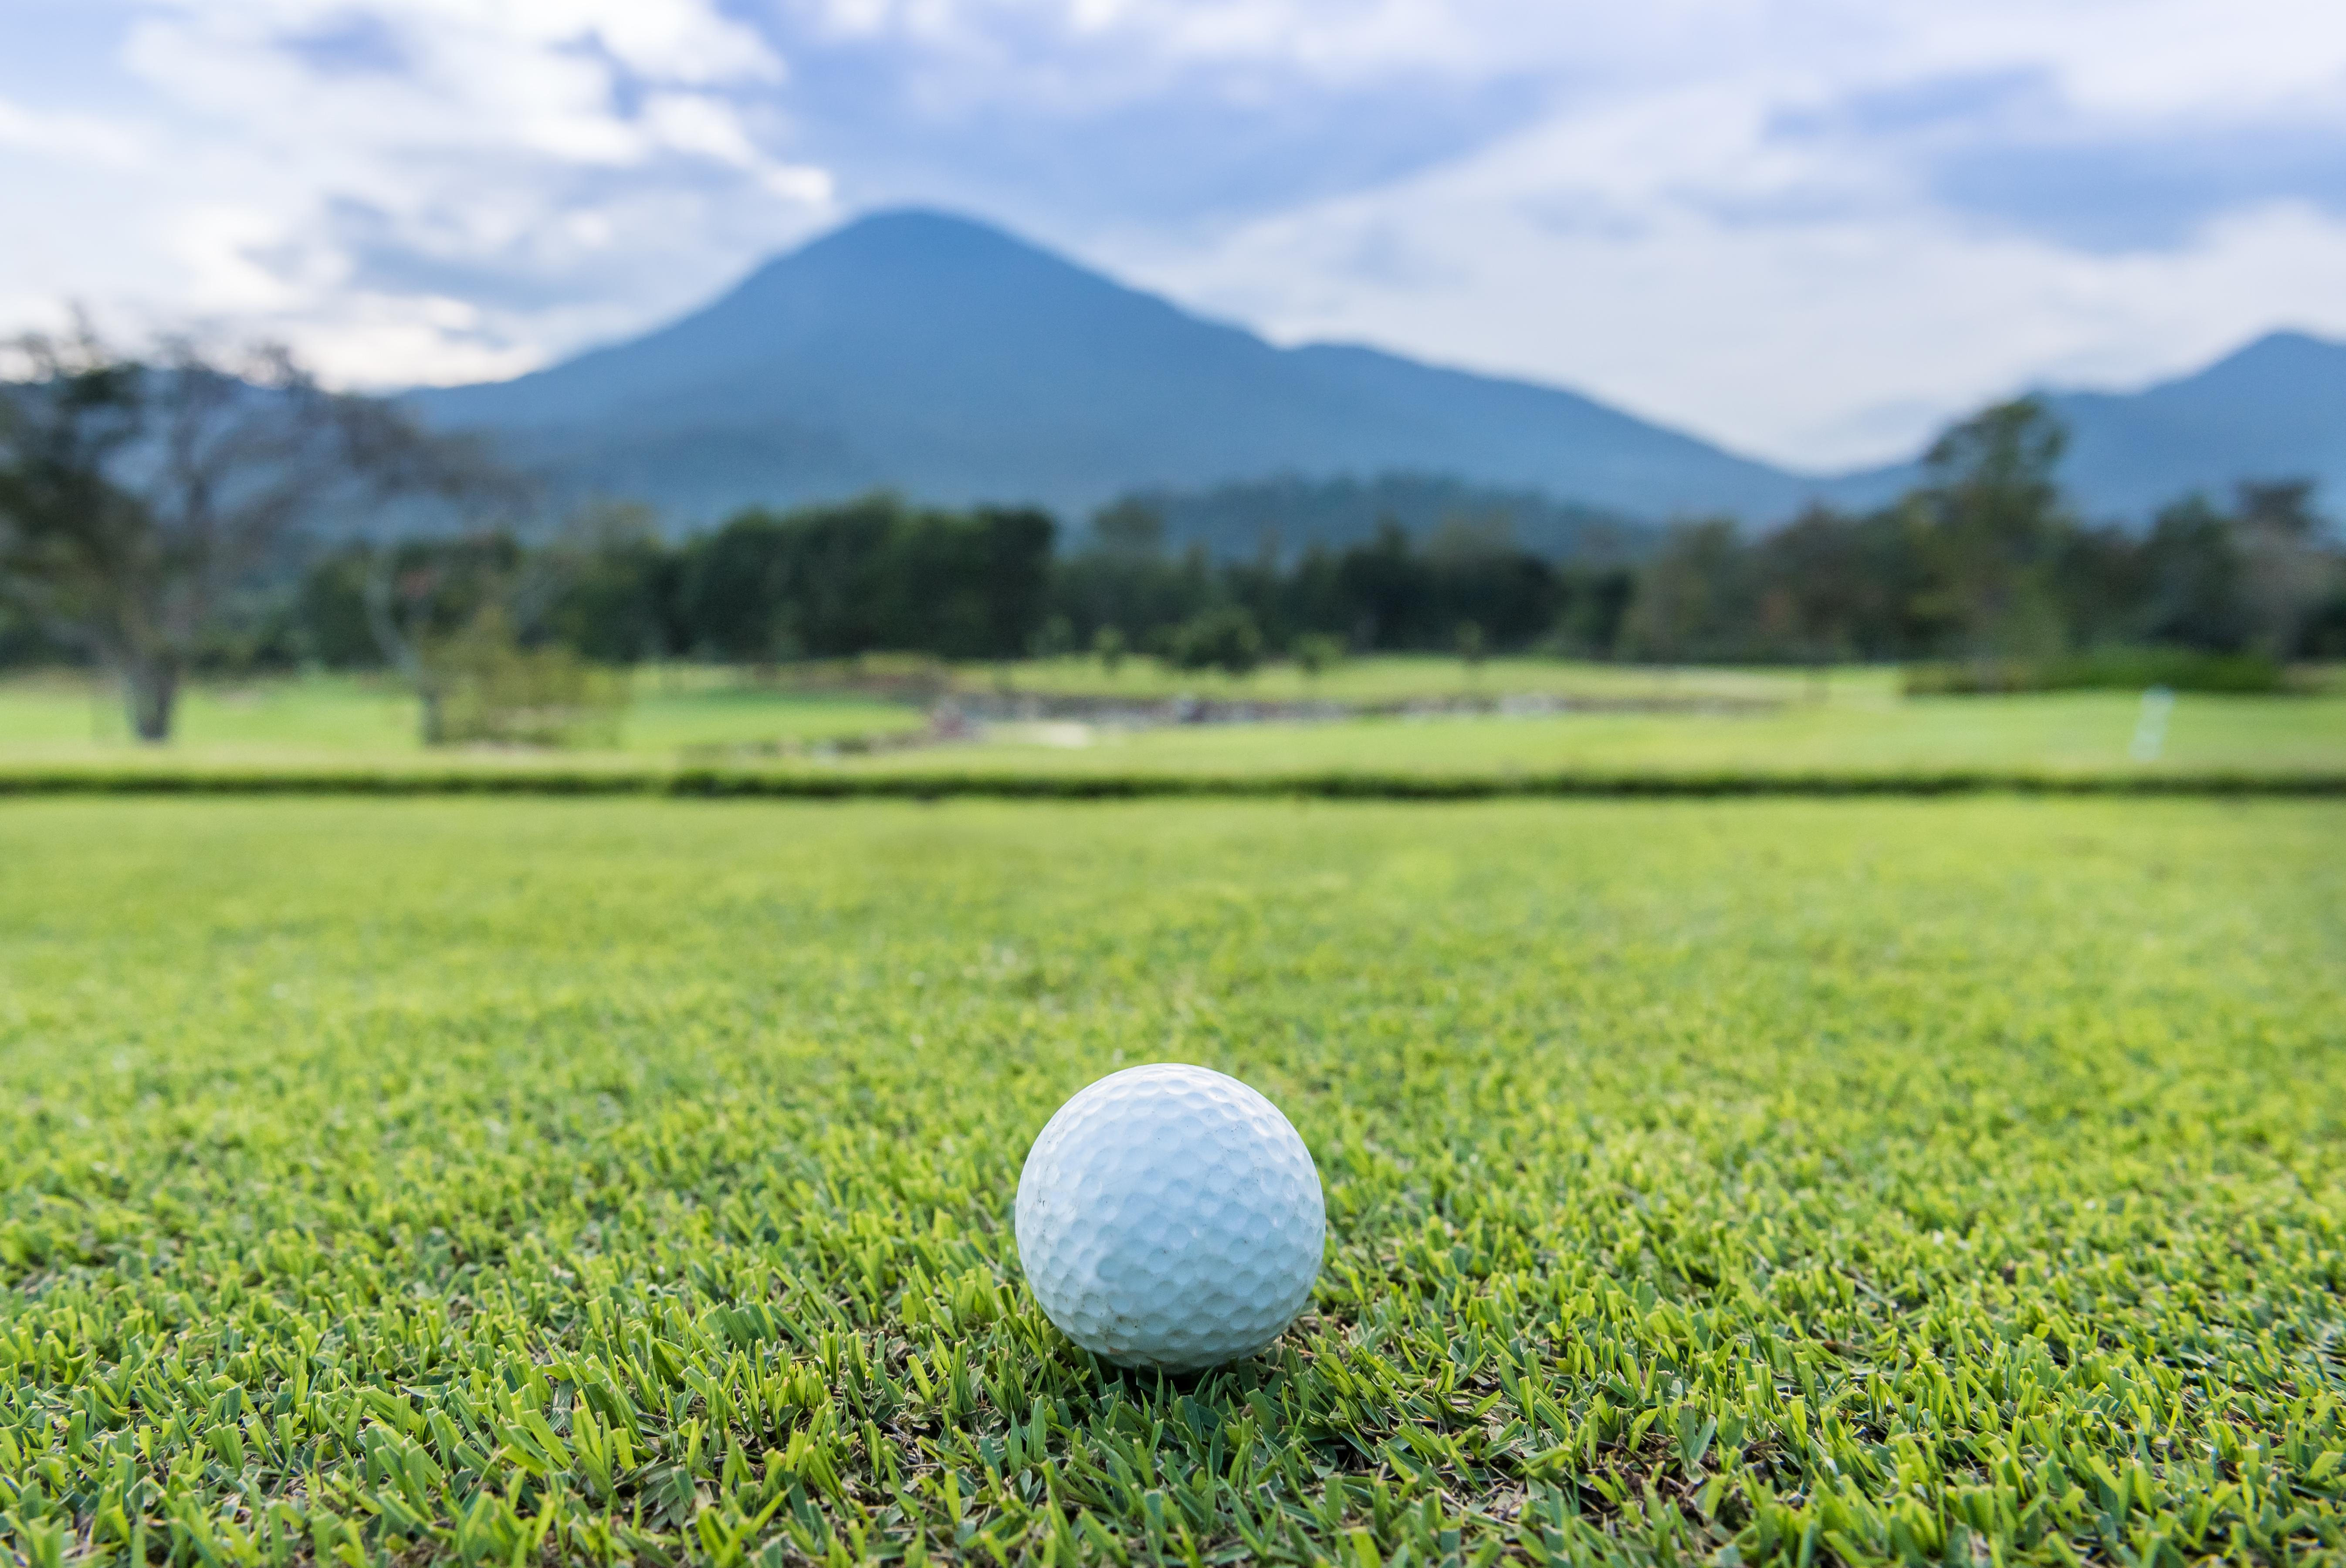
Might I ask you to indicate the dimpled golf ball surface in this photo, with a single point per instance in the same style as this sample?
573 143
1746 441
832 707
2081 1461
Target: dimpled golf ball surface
1170 1217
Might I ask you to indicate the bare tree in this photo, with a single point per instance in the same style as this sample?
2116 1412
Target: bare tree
135 494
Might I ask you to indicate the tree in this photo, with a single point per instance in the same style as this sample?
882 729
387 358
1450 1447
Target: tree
1999 526
1120 577
1594 603
1386 587
2286 572
982 582
736 586
1475 575
1818 593
1694 599
136 494
831 581
609 585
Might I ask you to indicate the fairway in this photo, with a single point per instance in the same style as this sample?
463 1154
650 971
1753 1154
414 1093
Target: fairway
2085 734
630 1180
1761 728
325 715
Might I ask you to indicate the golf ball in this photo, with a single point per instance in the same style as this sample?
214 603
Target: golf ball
1170 1217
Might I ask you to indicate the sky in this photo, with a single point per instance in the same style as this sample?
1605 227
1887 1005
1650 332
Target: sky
1811 229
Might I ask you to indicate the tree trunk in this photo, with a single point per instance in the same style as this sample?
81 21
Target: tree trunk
151 691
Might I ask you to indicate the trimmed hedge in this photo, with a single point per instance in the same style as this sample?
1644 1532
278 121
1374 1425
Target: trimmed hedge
1336 785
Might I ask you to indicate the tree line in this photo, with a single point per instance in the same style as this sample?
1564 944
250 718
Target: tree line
984 584
176 513
1983 563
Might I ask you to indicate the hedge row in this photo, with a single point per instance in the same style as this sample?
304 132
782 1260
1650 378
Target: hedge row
1361 786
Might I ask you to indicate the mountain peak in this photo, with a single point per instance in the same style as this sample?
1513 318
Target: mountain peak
939 355
2287 352
2289 341
921 229
936 354
2274 369
898 245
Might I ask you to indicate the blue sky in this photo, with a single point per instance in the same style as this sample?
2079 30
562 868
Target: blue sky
1810 228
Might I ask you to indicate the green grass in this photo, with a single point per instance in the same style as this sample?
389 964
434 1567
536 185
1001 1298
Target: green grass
1401 677
2079 732
54 717
1862 731
59 713
629 1180
681 710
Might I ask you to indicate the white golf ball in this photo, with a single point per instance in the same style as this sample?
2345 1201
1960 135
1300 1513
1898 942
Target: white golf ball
1170 1217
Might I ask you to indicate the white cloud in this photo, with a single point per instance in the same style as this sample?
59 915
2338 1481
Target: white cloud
1809 227
1841 338
76 138
342 174
1654 240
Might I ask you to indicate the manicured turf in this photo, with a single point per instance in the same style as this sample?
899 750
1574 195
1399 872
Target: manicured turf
294 718
703 719
1401 677
629 1180
1869 734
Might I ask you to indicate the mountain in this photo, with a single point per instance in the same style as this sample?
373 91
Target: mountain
2273 410
942 357
953 362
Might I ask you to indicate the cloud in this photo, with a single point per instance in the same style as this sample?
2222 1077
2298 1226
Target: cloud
69 138
1821 264
2152 191
1075 116
350 45
430 188
2011 147
1817 231
1810 227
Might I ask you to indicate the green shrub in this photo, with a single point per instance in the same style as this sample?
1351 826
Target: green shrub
1315 653
484 687
1108 648
1226 639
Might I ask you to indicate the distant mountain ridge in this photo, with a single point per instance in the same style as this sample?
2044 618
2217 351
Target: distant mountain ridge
2275 408
945 359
